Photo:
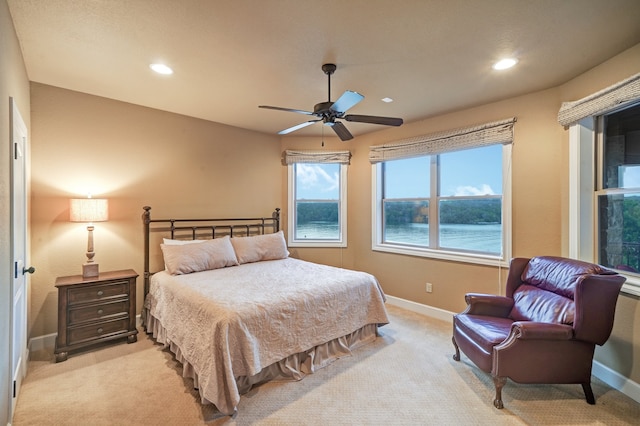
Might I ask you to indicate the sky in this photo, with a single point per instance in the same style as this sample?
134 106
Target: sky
470 172
317 181
629 176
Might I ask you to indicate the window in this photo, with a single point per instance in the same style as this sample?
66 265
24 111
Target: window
618 191
317 201
405 201
604 186
452 204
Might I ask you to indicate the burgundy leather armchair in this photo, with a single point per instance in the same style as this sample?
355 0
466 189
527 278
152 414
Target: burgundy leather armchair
544 330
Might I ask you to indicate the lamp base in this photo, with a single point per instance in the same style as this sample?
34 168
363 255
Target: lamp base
90 270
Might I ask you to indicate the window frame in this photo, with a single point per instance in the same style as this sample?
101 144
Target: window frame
502 260
585 157
342 211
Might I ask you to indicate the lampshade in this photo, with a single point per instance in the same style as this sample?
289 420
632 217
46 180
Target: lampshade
88 210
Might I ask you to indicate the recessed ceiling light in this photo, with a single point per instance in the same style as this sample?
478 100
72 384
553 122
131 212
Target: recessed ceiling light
503 64
387 100
161 69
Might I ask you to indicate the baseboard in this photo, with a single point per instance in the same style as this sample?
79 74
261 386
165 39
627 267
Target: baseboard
616 380
601 371
48 341
419 308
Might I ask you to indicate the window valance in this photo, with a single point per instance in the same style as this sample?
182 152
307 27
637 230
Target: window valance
618 95
499 132
294 156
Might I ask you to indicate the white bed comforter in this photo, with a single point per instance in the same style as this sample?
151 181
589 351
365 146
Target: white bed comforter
235 321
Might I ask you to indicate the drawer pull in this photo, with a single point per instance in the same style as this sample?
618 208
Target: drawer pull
100 311
100 330
100 293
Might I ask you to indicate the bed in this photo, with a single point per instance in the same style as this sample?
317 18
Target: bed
237 310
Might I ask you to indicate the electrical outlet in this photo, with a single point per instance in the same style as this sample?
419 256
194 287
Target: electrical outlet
429 288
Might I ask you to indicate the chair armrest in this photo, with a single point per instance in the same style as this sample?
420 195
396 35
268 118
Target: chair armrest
596 298
531 330
488 304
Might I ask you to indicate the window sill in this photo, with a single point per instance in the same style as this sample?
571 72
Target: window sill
631 286
479 259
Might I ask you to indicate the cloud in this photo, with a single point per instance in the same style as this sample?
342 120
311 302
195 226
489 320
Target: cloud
472 190
313 178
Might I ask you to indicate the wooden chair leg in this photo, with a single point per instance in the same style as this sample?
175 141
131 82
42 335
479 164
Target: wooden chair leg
456 356
588 393
499 382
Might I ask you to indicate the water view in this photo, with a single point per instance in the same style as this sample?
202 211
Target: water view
318 231
486 238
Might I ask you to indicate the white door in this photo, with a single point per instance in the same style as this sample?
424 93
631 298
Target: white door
19 252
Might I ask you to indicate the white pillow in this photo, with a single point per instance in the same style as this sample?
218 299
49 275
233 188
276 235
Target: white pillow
260 247
202 256
169 241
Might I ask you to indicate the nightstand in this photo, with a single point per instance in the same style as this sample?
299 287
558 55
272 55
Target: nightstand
95 310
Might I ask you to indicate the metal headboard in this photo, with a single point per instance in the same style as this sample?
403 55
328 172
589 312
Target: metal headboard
192 229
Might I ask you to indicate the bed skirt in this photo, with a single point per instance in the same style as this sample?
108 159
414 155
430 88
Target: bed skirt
292 368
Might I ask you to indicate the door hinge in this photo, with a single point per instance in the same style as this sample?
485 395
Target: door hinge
15 270
14 388
15 150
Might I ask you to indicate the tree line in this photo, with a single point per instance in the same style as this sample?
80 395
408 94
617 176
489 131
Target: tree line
631 219
467 211
307 212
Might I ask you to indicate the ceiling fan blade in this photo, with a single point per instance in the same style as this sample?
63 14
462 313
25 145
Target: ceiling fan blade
299 111
297 126
372 119
342 132
346 101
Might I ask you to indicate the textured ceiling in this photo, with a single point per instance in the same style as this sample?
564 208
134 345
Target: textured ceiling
430 56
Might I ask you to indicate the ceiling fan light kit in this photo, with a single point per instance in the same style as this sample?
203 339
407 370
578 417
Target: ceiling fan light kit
328 112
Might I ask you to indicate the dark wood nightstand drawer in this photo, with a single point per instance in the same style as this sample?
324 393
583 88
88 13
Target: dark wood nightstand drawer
98 292
99 330
96 312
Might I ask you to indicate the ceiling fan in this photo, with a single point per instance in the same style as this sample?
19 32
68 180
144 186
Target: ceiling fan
328 112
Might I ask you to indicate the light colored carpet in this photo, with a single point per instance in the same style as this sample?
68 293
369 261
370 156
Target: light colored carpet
406 377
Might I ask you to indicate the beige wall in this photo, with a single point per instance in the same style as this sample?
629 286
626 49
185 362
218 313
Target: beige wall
182 166
14 83
134 156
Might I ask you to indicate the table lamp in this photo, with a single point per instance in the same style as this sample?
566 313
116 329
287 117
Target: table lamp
89 210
